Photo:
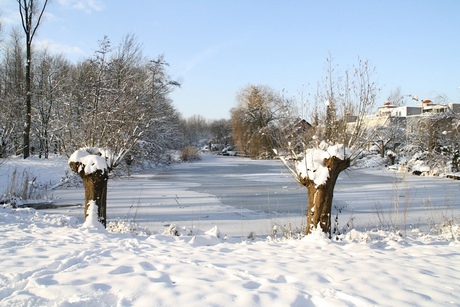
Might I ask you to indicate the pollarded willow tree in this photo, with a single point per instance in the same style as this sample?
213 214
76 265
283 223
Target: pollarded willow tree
332 143
93 165
121 101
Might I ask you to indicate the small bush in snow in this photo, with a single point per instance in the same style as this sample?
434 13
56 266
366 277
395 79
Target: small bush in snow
286 231
21 186
171 231
125 226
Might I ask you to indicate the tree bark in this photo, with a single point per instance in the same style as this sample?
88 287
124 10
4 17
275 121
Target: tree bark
320 197
95 185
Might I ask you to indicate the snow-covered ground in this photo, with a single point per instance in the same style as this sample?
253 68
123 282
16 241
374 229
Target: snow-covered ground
49 258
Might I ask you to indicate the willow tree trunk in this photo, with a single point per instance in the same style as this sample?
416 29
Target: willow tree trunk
95 185
320 197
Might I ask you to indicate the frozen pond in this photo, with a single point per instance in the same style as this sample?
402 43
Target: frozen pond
242 195
261 186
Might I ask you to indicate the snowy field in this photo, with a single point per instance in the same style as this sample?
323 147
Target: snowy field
228 254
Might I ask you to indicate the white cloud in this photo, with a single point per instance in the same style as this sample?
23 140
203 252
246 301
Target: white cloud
57 48
205 55
9 13
8 20
88 6
8 16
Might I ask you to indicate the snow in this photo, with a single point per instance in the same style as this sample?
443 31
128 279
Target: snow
92 222
312 165
339 151
56 260
91 163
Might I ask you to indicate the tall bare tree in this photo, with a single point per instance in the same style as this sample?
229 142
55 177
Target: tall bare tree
31 15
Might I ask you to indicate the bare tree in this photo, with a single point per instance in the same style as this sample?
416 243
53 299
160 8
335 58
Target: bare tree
51 79
390 135
257 120
161 120
196 130
31 15
11 94
436 137
221 131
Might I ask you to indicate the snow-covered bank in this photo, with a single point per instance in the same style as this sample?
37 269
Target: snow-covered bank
41 174
45 264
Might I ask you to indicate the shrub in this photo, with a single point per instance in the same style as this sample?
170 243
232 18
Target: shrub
190 154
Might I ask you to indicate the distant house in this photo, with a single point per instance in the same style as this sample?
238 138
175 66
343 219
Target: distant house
301 129
406 119
389 109
388 113
298 133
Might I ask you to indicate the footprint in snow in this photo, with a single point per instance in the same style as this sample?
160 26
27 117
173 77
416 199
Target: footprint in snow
122 270
147 266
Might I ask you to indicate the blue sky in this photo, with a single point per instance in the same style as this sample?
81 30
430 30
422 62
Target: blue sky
215 48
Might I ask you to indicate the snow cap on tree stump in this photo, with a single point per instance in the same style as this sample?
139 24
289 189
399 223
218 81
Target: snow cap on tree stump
313 166
89 160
